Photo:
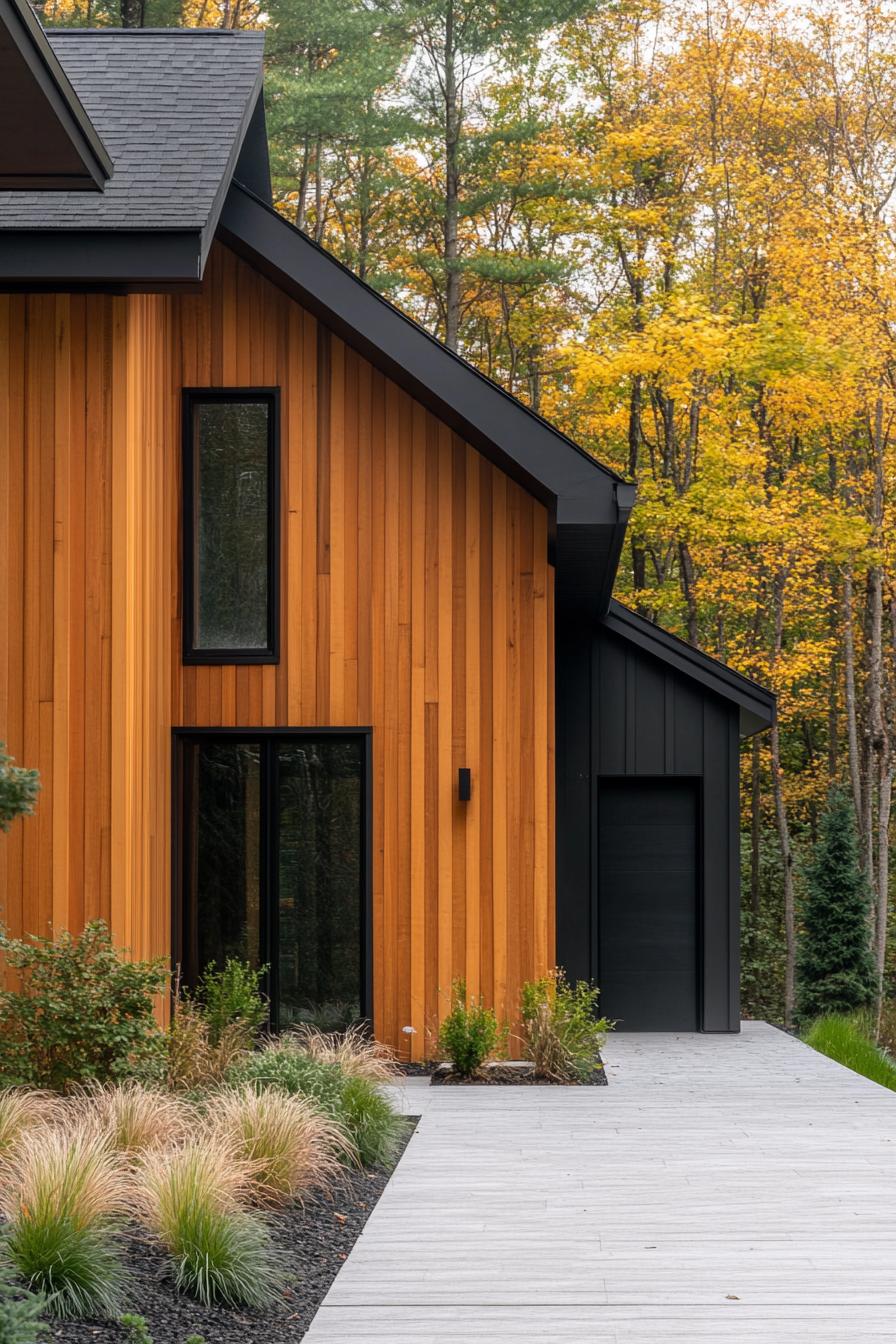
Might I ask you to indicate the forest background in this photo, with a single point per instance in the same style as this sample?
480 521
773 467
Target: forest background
668 226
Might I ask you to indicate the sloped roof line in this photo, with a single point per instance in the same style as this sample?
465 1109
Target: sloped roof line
756 703
554 467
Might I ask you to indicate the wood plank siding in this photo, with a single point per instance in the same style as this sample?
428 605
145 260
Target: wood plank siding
416 598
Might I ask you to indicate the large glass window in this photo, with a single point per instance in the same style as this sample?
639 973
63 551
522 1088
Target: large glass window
272 866
230 526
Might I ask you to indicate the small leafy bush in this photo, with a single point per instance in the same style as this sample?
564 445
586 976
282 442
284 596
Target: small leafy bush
470 1034
232 998
843 1039
83 1012
353 1102
563 1034
137 1330
20 1312
354 1050
191 1199
19 788
62 1194
291 1146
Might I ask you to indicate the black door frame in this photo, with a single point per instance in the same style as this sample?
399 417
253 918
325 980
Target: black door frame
696 781
179 737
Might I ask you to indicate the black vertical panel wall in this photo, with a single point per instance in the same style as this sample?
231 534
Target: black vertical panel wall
622 713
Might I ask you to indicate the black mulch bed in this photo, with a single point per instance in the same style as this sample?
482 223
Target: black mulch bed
504 1075
316 1240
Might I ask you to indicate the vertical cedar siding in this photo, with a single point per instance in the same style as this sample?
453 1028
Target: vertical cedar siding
416 598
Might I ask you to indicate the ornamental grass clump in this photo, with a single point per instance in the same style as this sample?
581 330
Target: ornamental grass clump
192 1198
23 1109
291 1146
62 1194
354 1050
563 1033
133 1117
470 1034
357 1106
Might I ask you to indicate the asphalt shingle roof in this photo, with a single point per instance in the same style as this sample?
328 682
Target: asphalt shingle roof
169 107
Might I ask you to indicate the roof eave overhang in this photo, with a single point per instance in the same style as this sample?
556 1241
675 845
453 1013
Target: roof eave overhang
53 104
756 704
588 504
102 258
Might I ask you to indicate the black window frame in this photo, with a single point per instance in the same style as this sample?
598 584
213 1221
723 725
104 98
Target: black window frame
180 854
191 398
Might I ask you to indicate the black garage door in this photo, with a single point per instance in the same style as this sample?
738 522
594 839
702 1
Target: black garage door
648 903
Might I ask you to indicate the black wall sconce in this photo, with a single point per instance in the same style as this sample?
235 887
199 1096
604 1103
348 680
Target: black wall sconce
464 784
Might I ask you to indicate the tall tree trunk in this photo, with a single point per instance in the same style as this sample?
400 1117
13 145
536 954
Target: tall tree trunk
452 185
852 721
755 826
787 869
686 572
783 827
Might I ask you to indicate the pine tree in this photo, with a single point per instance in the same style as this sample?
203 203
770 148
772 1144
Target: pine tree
18 790
835 968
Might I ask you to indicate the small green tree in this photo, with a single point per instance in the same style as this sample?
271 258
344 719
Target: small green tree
18 790
835 970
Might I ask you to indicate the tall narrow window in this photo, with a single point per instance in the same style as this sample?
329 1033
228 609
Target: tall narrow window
230 526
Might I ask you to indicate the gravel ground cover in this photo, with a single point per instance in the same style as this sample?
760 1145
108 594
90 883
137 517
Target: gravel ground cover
315 1240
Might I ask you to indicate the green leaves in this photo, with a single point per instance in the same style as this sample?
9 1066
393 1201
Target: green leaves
470 1033
83 1013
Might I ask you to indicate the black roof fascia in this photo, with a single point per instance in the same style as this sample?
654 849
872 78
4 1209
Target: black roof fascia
60 102
253 167
102 258
757 704
248 117
550 465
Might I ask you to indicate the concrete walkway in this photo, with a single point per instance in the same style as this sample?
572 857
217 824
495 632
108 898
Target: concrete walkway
724 1188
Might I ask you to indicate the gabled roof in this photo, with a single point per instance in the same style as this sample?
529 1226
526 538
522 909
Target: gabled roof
173 107
756 704
589 503
48 142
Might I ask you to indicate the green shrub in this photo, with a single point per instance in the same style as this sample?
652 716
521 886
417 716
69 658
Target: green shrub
355 1103
19 788
20 1312
83 1012
563 1034
470 1033
844 1039
232 997
138 1331
136 1328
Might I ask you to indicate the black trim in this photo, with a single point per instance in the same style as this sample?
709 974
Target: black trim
179 857
60 108
588 503
757 704
197 396
108 258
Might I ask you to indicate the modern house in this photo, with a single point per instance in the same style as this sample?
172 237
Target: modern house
306 624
